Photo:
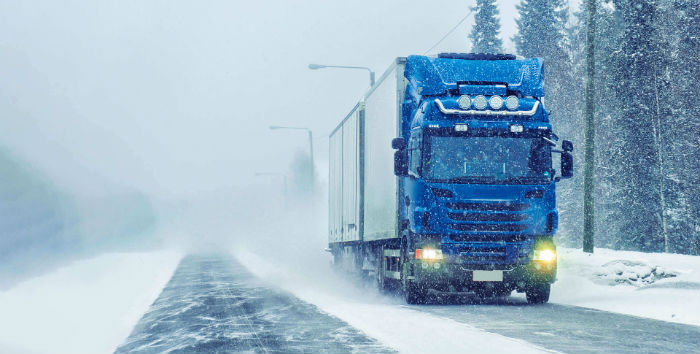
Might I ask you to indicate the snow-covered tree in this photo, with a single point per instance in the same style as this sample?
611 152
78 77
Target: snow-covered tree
609 159
486 28
302 182
647 127
678 39
542 32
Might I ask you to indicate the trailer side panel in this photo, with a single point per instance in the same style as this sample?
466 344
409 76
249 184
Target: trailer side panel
382 122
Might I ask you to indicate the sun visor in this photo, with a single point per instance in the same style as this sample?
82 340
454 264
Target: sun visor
435 76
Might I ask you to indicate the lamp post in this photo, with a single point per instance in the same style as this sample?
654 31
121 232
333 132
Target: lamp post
371 73
311 150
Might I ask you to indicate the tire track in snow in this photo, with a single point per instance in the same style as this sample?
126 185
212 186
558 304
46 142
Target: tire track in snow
213 305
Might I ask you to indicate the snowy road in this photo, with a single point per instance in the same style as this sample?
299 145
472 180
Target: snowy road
571 329
213 304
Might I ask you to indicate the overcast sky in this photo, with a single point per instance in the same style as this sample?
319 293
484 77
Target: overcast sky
175 97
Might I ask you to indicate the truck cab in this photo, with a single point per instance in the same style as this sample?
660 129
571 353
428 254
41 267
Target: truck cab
475 177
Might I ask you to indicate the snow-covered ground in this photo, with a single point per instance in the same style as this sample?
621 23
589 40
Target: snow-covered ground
92 305
88 306
654 285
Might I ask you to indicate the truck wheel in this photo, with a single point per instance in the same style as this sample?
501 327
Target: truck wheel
538 293
413 293
380 280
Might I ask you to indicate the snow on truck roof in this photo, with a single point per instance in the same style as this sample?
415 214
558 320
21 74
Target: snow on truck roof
435 76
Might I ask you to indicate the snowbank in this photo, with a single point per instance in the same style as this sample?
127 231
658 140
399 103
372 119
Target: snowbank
87 307
654 285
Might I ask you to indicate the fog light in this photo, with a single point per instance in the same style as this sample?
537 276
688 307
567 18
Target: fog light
436 265
516 128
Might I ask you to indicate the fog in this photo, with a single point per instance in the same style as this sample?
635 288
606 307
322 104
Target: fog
141 124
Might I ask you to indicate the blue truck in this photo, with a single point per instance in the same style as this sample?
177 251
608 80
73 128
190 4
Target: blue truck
441 179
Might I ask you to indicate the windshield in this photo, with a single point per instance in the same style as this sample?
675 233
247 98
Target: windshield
493 159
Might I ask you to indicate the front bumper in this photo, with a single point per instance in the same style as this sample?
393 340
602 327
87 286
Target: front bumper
442 275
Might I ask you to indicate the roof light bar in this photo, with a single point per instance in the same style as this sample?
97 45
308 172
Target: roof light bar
444 110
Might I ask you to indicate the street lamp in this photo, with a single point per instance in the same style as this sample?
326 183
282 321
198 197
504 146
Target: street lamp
371 73
311 149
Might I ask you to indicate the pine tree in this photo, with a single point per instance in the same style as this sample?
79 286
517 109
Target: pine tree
542 32
637 75
486 28
677 31
301 175
610 159
668 50
541 29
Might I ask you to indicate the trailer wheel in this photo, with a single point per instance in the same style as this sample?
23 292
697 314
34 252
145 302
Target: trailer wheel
538 293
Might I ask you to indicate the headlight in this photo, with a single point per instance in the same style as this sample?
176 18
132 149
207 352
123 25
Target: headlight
544 255
428 254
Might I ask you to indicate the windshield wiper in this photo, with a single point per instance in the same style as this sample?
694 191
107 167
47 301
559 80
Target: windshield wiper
493 180
528 180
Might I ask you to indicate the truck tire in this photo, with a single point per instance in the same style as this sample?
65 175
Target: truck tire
380 280
413 293
538 293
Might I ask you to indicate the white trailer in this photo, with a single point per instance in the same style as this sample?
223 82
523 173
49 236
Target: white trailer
363 200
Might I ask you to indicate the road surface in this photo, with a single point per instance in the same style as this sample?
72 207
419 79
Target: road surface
213 304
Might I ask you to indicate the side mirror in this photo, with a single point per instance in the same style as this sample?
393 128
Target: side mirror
567 164
398 143
401 162
567 146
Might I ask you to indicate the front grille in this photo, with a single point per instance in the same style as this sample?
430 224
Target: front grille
488 227
487 217
503 206
483 254
490 238
482 250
